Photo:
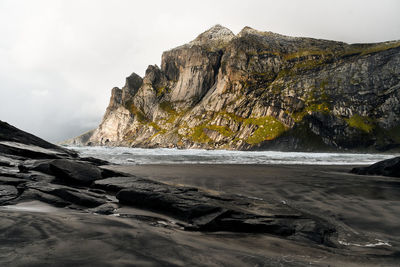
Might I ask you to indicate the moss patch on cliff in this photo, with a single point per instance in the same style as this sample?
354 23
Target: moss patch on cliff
161 90
167 107
223 130
307 53
155 126
141 117
364 124
198 135
363 49
268 129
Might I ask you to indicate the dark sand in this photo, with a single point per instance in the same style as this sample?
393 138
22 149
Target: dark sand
364 209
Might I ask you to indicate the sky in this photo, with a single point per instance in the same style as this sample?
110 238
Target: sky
60 59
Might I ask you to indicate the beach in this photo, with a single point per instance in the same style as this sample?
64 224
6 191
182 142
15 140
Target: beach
365 210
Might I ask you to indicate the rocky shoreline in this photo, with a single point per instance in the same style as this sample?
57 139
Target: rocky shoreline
59 184
61 178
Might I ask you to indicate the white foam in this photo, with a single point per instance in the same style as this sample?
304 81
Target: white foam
379 243
137 156
32 206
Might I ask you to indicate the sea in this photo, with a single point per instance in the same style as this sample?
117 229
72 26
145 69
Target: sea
140 156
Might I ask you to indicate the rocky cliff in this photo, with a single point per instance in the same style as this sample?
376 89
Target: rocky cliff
260 90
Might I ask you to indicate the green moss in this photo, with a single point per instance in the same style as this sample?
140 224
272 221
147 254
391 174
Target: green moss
223 130
269 128
172 118
167 107
141 117
380 47
362 123
298 116
317 100
357 49
285 72
320 107
155 126
162 131
308 64
232 116
198 135
161 90
306 53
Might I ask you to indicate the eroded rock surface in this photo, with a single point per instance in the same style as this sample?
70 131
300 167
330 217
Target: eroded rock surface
60 178
260 90
389 167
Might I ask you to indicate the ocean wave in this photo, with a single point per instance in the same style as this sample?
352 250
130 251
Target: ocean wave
139 156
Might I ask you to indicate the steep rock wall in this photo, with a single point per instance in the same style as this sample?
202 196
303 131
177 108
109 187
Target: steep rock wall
261 90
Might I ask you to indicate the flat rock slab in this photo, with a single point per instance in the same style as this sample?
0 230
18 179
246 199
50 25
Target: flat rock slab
389 167
11 134
206 212
115 184
70 171
62 195
29 151
7 192
11 180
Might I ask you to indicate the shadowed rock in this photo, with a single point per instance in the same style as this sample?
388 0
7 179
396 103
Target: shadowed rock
68 171
69 195
71 171
11 180
205 212
12 134
7 192
52 175
29 151
115 184
389 167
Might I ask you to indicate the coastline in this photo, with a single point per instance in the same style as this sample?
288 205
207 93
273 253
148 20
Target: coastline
366 221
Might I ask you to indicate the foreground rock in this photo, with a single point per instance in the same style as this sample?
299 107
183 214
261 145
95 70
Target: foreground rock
33 169
205 212
59 177
389 167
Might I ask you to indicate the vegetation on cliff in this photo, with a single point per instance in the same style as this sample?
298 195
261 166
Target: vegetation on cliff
250 90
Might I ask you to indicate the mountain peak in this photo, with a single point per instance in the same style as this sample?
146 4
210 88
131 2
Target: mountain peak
250 31
215 34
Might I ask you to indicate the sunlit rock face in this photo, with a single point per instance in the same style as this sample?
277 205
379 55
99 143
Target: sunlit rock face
260 90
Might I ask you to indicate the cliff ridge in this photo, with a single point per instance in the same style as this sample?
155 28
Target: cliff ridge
260 90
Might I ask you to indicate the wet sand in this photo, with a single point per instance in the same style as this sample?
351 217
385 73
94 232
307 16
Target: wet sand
364 209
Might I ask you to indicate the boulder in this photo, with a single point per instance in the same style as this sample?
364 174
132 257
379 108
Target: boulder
389 167
69 171
7 192
105 209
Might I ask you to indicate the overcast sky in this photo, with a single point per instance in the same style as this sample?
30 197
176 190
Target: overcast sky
60 59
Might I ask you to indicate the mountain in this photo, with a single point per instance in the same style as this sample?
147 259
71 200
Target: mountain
260 90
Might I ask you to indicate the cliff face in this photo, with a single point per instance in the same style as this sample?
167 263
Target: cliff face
260 90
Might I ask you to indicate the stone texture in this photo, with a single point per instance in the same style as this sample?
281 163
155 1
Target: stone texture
260 90
389 167
7 192
205 212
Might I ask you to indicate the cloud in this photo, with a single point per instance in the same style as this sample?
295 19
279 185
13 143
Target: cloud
59 59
